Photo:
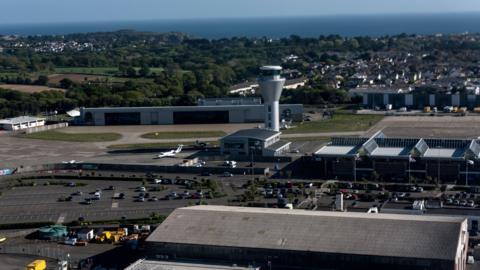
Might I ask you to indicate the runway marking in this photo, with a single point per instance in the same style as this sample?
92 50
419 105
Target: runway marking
114 204
61 218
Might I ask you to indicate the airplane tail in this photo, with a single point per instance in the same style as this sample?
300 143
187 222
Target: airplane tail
179 149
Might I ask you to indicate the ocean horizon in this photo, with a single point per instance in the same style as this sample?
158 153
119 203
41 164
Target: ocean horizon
274 27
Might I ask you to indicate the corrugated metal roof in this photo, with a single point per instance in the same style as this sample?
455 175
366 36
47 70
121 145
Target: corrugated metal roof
316 231
169 265
278 145
329 150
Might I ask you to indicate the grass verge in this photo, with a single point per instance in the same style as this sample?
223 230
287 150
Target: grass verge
339 123
153 145
183 135
53 135
309 139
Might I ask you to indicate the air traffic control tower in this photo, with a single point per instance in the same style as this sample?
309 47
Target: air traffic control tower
271 85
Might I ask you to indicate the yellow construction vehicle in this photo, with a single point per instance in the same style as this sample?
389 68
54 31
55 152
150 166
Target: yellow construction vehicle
37 265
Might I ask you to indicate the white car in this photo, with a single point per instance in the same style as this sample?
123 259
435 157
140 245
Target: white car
157 181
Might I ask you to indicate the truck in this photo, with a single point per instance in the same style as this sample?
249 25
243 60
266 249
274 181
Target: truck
37 265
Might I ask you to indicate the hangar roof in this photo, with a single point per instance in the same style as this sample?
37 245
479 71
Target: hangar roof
175 265
429 237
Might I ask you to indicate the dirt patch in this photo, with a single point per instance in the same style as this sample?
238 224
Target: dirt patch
29 88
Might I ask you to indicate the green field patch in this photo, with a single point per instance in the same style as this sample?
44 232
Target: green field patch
53 135
183 135
339 123
132 146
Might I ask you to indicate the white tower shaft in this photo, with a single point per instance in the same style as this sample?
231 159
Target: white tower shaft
271 86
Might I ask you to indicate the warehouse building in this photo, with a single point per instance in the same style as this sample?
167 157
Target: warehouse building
418 101
216 111
299 239
256 141
400 159
21 122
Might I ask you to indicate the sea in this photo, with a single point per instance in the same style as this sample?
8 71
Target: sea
273 27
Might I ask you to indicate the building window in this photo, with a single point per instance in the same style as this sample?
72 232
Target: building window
269 108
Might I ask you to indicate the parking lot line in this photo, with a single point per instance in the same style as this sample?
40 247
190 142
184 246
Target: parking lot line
61 218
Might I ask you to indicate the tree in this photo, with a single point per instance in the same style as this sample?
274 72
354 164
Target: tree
42 80
144 71
66 83
131 72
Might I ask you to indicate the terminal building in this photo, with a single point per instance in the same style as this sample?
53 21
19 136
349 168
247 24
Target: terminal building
266 141
299 239
400 159
209 111
256 141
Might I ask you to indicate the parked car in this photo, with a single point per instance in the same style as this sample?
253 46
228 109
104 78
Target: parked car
227 174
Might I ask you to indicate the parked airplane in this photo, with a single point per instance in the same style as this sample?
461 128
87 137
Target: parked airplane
171 153
71 162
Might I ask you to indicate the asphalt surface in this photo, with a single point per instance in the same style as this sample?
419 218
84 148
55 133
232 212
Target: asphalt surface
463 127
40 203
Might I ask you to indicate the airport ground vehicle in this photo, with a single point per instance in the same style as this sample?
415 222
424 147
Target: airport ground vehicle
37 265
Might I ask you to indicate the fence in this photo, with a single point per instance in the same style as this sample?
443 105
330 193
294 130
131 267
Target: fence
45 128
41 251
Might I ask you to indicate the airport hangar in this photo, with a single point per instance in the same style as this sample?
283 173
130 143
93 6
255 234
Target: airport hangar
209 111
412 100
299 239
399 159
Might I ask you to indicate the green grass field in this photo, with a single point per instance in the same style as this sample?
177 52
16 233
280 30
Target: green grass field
153 145
53 135
341 122
88 70
183 135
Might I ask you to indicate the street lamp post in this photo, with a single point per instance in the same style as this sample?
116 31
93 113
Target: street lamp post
467 162
252 150
355 158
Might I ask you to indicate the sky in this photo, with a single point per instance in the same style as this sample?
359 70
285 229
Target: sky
45 11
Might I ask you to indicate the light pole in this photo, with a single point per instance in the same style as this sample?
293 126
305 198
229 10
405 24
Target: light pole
410 161
252 150
467 162
355 158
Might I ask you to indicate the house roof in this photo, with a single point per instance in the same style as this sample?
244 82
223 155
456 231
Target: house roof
406 236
